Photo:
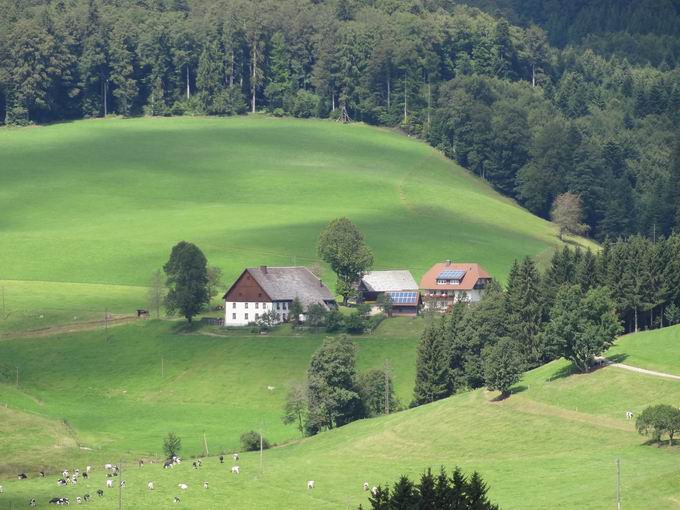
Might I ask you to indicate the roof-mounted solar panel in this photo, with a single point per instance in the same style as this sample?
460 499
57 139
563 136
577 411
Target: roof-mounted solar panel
451 274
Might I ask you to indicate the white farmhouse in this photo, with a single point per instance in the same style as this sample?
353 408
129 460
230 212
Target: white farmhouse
272 289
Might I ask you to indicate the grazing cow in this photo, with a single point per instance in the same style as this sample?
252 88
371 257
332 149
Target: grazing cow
76 472
183 486
85 476
22 476
108 466
236 457
74 480
168 464
205 485
86 498
59 501
366 486
79 500
374 491
100 493
194 465
88 469
235 470
175 499
42 474
141 463
61 482
109 483
629 415
150 486
32 503
271 388
65 473
221 459
122 483
199 462
310 484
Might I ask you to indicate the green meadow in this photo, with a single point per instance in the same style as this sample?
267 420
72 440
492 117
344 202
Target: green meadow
552 444
654 350
91 208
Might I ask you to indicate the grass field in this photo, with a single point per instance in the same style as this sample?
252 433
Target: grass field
552 444
91 208
655 350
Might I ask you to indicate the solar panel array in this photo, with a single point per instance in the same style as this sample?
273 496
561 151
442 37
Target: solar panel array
451 274
403 298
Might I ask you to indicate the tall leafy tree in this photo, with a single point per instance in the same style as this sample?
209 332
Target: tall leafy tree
187 280
342 246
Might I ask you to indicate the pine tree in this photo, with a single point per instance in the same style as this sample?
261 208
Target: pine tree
586 271
431 367
404 495
279 83
525 309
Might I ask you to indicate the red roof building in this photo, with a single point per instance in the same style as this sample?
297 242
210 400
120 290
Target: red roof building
448 282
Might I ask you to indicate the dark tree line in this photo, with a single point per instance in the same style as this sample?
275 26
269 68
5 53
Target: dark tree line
534 120
434 492
574 310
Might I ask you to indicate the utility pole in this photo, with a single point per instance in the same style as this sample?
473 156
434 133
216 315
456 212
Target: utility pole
618 484
387 387
106 93
120 486
261 449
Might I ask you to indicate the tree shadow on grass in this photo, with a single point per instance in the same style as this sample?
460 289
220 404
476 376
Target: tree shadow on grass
514 390
571 369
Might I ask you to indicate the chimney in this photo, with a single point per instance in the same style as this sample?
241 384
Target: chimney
448 262
263 269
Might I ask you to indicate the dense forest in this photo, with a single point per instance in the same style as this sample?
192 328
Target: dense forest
537 97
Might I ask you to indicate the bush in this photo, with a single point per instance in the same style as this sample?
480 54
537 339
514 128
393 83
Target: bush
306 104
334 321
316 316
250 441
355 323
278 112
655 421
172 445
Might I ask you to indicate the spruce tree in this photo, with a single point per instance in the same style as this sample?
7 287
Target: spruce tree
431 367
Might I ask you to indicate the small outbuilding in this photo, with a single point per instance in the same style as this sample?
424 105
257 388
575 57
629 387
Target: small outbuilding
398 285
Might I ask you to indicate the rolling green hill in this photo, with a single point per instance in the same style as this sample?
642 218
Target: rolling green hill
552 444
654 350
91 208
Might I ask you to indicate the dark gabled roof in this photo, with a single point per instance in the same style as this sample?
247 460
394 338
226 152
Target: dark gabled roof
287 283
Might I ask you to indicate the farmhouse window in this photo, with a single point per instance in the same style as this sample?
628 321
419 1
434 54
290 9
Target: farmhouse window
257 305
246 305
278 306
257 316
233 305
233 316
246 316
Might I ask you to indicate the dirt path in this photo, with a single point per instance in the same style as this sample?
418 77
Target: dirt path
639 370
69 328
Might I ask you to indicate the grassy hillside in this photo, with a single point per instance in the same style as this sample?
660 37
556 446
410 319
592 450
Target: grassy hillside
111 396
552 444
655 350
91 208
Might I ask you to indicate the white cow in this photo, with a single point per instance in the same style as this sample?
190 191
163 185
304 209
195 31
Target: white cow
235 469
205 485
366 486
235 457
108 466
374 491
109 483
183 486
79 500
176 499
88 469
150 486
629 415
310 484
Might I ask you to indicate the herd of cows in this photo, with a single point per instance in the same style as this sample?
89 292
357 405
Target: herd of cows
113 473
